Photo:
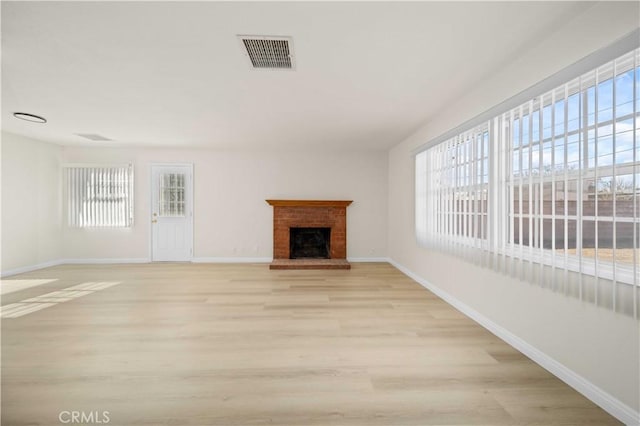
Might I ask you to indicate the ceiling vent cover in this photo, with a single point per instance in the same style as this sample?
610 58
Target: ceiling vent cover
269 52
93 136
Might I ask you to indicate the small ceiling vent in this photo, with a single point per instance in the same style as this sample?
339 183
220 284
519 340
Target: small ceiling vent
269 52
93 137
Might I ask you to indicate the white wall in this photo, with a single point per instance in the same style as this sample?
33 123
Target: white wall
597 344
231 217
31 231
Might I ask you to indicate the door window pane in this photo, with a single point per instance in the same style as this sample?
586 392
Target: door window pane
171 200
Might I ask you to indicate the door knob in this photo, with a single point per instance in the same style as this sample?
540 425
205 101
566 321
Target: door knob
154 221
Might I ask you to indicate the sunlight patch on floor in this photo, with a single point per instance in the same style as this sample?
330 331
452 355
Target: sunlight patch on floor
9 286
15 310
33 304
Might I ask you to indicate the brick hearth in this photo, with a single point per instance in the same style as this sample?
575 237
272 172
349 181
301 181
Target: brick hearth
309 214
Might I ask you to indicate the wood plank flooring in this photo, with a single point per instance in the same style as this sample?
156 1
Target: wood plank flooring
204 344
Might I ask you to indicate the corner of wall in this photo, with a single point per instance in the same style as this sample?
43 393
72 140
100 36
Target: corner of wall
31 207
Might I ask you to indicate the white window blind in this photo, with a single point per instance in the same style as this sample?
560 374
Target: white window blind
548 191
99 196
452 183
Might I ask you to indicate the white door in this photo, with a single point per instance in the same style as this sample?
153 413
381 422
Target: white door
172 212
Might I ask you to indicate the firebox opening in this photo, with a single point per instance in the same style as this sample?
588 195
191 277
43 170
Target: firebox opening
309 243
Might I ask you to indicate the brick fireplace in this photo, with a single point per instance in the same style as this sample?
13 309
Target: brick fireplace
310 215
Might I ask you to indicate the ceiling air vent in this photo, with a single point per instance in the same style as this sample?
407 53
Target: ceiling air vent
269 52
93 136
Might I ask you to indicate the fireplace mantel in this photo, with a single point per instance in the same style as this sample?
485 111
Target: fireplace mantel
289 214
309 203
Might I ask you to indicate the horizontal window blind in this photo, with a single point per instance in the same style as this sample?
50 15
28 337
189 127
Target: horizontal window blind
99 196
548 191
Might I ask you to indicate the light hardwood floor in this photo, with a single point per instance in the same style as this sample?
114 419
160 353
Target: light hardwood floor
200 344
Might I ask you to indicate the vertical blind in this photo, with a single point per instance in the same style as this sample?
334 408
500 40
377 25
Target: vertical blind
452 181
99 196
548 191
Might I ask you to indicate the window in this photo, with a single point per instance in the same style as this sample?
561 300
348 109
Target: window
99 196
452 181
553 182
574 181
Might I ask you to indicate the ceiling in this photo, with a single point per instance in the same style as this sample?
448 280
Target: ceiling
174 74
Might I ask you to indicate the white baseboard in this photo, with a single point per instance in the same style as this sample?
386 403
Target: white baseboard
87 261
606 401
57 262
101 261
367 259
30 268
108 260
231 260
268 259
